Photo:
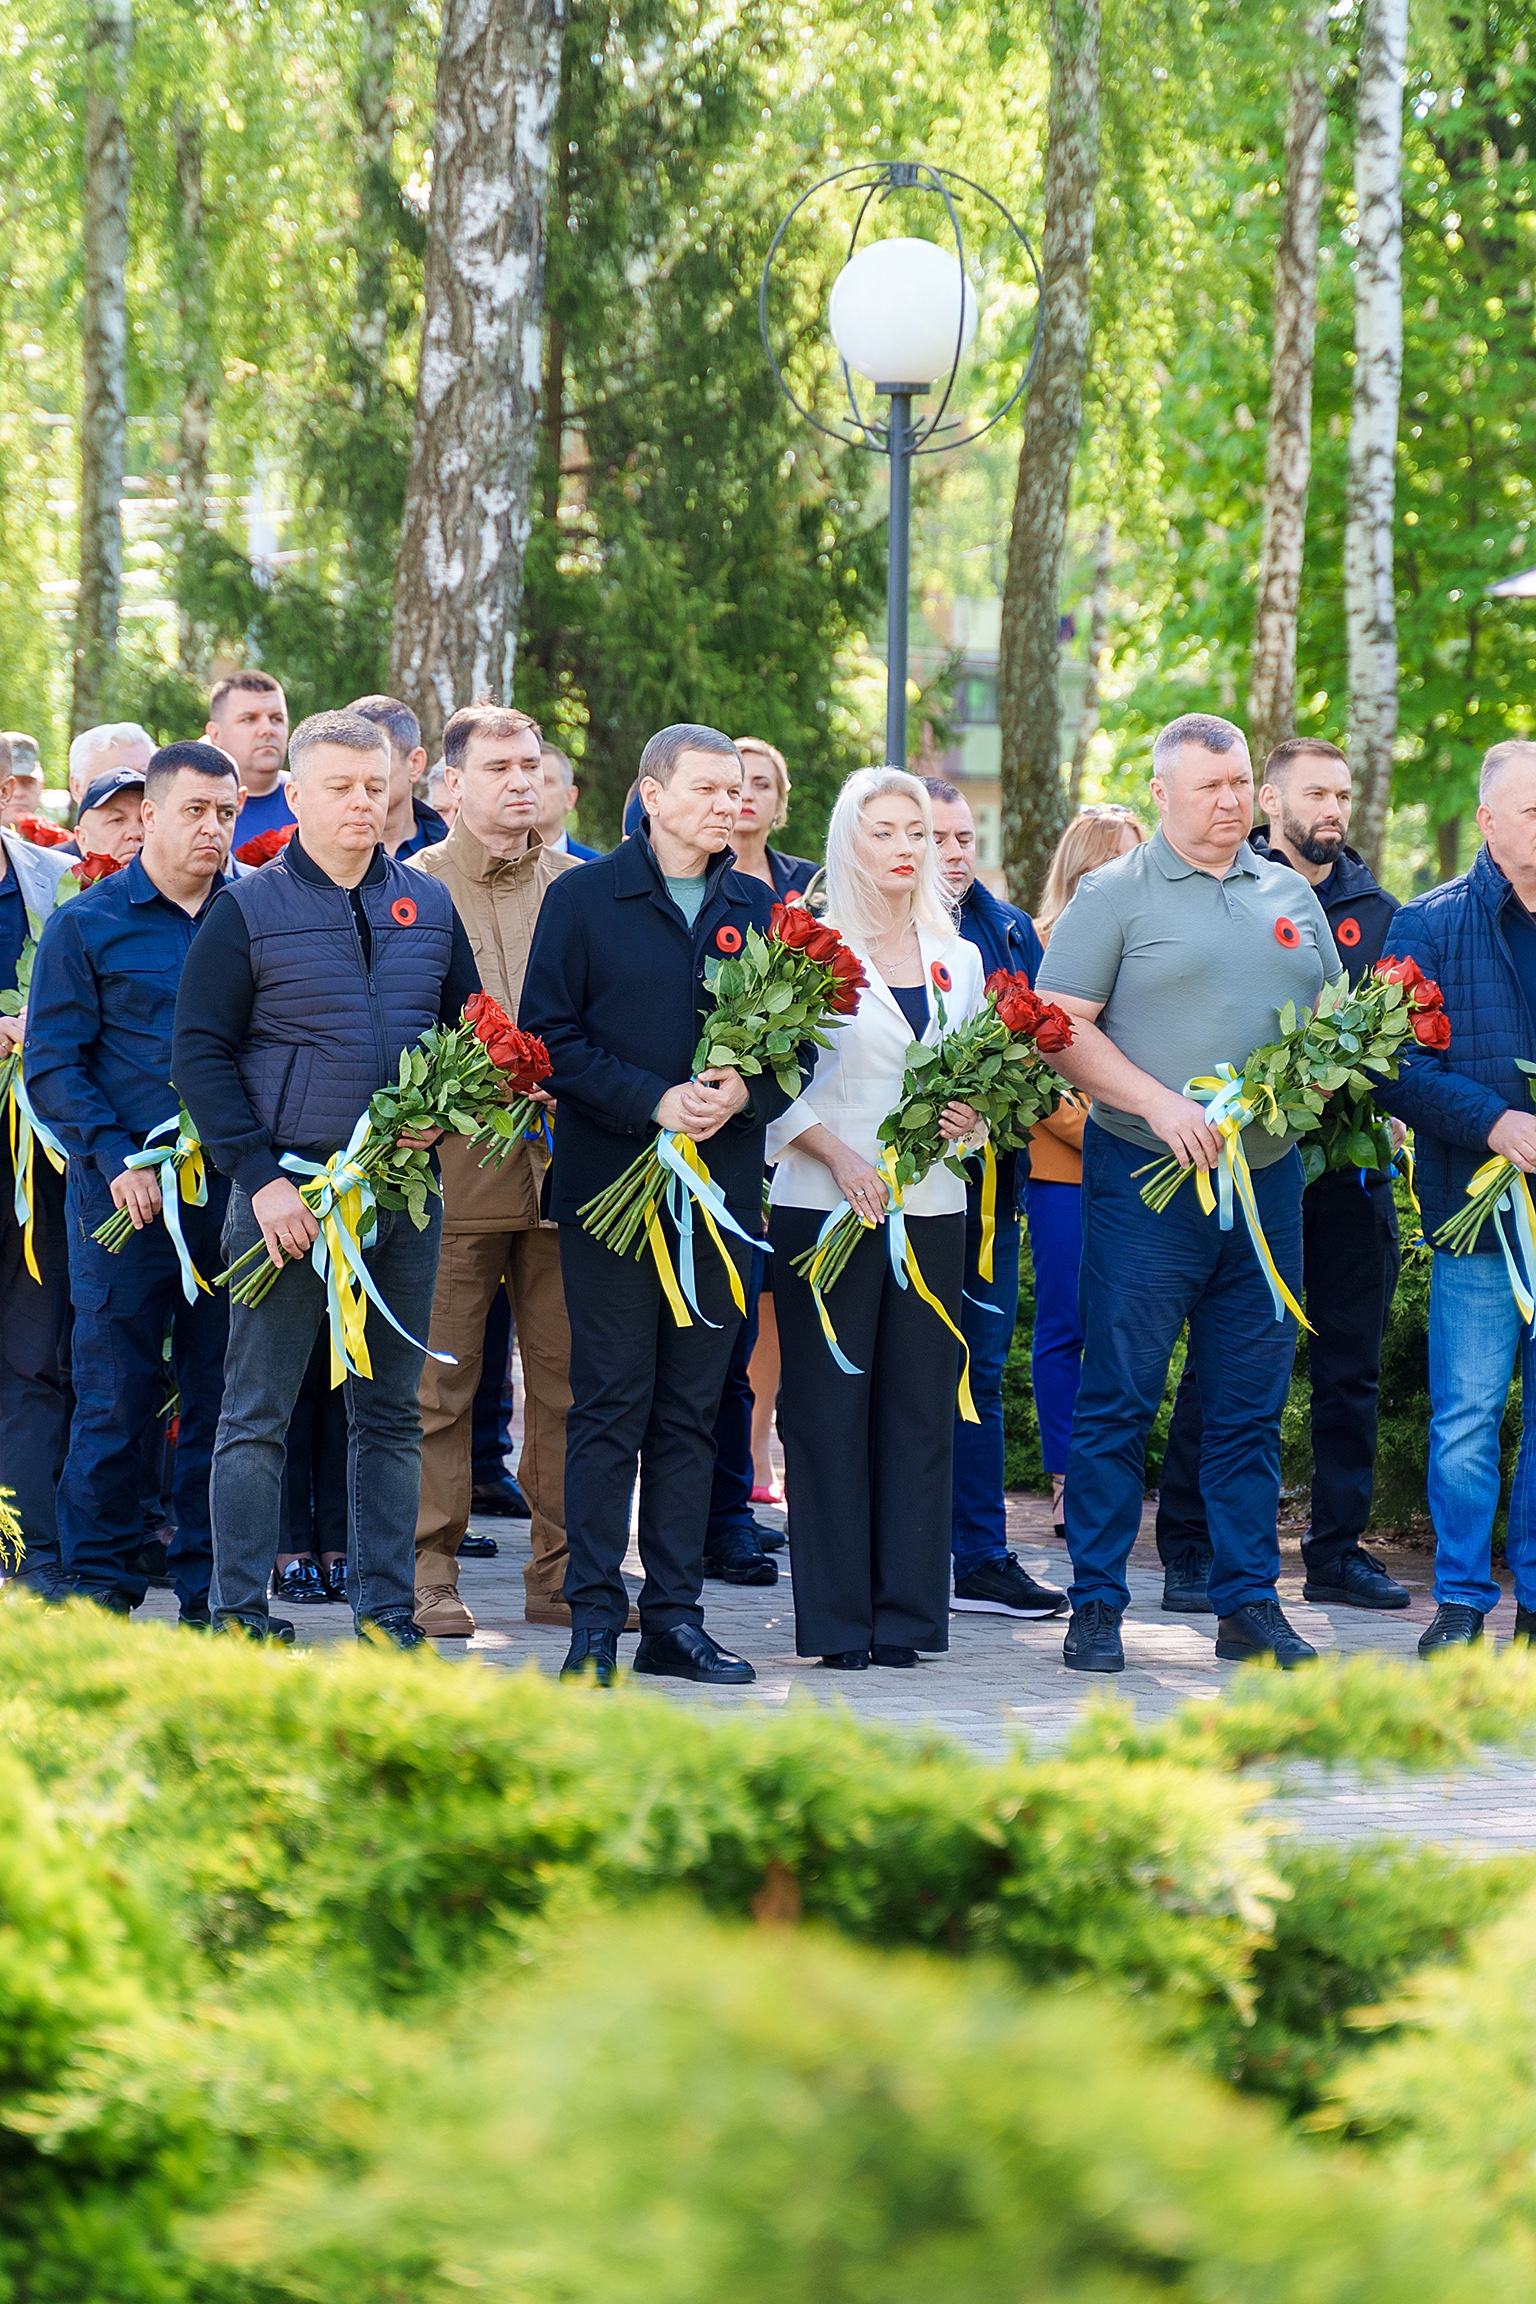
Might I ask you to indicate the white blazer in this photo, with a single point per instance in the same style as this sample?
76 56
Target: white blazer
857 1081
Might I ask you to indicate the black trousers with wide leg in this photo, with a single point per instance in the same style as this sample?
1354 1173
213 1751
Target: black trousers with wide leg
868 1458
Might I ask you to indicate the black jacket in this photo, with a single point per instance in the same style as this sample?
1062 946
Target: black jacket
615 989
1359 909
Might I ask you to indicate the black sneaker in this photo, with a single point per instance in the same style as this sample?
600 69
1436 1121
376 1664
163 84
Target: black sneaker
1185 1577
1355 1581
1260 1629
194 1616
300 1584
592 1656
1525 1625
397 1625
473 1547
500 1500
257 1627
771 1539
687 1653
1454 1626
1093 1640
736 1557
1003 1588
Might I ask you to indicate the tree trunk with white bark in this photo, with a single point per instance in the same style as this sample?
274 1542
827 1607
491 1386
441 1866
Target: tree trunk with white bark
1288 460
1098 648
1028 692
190 482
467 511
103 356
1370 609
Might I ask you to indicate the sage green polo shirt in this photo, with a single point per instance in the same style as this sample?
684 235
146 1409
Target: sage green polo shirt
1192 971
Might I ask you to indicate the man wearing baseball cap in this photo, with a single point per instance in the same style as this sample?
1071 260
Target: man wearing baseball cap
110 821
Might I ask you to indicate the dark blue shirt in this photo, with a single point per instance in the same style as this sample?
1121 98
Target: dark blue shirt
430 827
103 1001
1520 936
13 929
912 1000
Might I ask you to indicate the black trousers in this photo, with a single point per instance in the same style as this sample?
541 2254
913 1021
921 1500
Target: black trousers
641 1388
35 1396
868 1458
1350 1261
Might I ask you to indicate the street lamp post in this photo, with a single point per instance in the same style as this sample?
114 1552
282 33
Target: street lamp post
902 315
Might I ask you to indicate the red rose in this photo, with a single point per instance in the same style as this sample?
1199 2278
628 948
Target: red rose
488 1017
848 979
1405 972
1427 994
1432 1028
791 924
265 845
92 868
1054 1032
40 833
1020 1011
821 944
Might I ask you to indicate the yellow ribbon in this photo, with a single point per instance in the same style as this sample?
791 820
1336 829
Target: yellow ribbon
690 1153
341 1229
1519 1260
658 1246
903 1254
988 1209
1228 1112
26 1133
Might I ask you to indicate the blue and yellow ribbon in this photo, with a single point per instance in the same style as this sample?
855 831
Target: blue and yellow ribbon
347 1213
1515 1204
1229 1112
188 1181
988 1210
26 1133
904 1268
690 1185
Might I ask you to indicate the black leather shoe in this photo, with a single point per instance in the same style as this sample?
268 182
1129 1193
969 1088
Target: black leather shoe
592 1656
687 1653
1260 1629
894 1659
257 1627
770 1538
500 1500
333 1575
1525 1625
736 1557
847 1660
299 1583
1355 1581
1184 1583
398 1626
1093 1640
194 1616
1003 1588
1454 1626
472 1547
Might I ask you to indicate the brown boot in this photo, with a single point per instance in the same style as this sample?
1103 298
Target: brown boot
537 1609
441 1614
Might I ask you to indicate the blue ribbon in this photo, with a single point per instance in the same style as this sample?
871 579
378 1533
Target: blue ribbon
685 1186
341 1175
1519 1260
158 1155
30 1123
823 1236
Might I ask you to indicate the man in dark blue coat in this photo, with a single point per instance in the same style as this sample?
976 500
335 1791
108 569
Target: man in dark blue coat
1349 1244
989 1579
309 980
1476 937
615 987
98 1066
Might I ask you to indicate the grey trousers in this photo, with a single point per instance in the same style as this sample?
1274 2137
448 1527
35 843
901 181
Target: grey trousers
269 1348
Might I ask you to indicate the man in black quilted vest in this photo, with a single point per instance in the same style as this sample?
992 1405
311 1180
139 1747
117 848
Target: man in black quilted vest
303 984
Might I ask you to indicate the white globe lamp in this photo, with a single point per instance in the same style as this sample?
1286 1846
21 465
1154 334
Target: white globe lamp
902 313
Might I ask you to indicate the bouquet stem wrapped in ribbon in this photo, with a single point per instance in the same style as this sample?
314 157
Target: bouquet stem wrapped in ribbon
173 1149
995 1063
1502 1191
27 1136
472 1079
1351 1040
772 994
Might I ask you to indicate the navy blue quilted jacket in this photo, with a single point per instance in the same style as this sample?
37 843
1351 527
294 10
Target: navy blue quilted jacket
1452 1100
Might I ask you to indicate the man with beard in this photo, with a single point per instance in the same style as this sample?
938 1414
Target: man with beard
1349 1243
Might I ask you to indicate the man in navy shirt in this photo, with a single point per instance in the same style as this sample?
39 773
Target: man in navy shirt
989 1579
98 1066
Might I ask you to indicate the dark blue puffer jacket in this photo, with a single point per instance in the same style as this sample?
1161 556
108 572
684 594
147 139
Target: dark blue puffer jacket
1451 1100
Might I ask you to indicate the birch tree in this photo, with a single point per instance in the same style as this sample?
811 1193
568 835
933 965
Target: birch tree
189 249
1029 705
467 512
103 356
1288 457
1369 590
1098 648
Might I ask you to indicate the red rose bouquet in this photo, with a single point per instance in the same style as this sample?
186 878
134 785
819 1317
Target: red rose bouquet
772 994
87 870
40 833
469 1079
265 845
996 1064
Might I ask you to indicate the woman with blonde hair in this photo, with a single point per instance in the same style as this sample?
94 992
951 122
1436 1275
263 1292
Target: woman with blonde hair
765 809
868 1435
1053 1195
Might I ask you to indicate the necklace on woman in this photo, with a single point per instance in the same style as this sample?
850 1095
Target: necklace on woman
887 951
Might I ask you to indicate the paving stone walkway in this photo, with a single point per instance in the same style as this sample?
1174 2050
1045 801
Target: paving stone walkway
1002 1681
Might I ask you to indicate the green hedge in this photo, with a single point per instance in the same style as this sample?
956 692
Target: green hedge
285 1944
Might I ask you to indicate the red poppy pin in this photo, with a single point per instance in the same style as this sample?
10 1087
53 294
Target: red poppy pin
727 940
941 975
1287 933
1347 932
403 910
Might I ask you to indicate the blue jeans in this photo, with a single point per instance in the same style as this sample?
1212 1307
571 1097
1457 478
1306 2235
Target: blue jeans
1056 1248
269 1349
1474 1333
123 1306
1144 1275
980 1530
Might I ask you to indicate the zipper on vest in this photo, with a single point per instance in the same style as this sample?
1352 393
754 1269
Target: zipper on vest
380 1042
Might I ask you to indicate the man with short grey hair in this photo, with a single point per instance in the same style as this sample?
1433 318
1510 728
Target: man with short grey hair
1173 959
305 983
95 751
1464 1099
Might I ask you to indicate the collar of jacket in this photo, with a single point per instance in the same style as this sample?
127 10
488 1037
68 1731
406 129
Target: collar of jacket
303 866
38 872
979 899
638 872
1352 875
1489 881
476 862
